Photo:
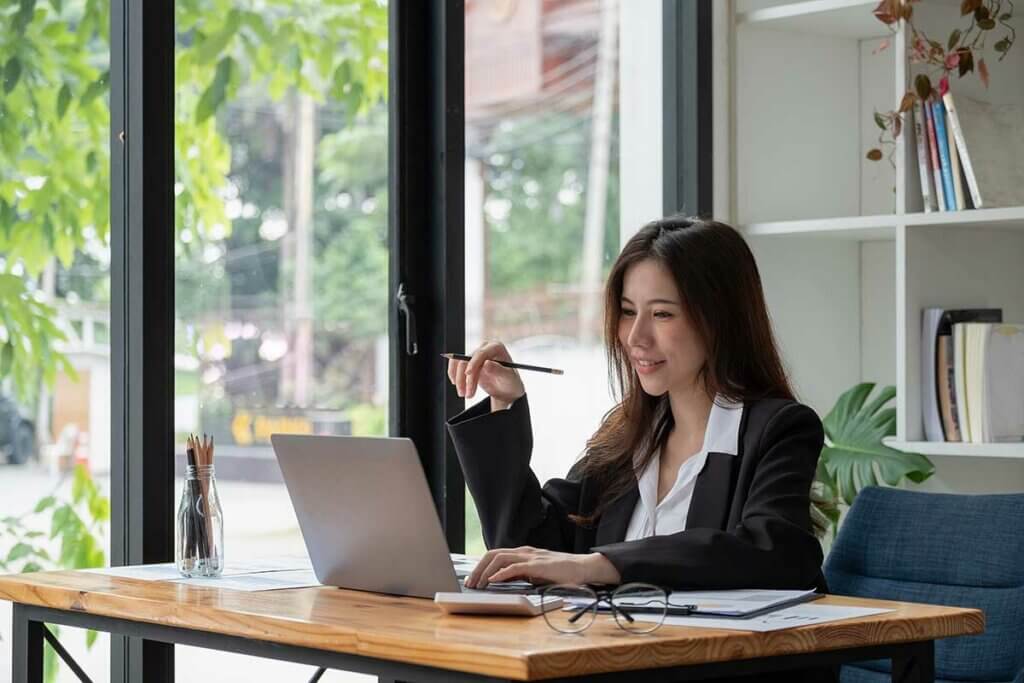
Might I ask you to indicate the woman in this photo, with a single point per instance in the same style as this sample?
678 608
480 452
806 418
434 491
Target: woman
698 479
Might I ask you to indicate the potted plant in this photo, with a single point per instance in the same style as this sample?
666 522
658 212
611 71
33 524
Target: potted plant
855 456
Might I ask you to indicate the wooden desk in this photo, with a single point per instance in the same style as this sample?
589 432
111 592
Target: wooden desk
411 640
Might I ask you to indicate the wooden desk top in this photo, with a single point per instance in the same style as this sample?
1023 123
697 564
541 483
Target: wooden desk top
415 631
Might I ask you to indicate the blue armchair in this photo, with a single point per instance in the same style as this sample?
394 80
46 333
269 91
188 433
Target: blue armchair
962 550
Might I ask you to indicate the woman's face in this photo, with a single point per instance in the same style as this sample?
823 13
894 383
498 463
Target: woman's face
655 331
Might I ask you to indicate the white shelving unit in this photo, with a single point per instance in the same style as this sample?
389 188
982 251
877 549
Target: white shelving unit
847 256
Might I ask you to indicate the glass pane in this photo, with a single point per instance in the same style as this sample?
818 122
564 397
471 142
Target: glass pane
281 255
542 207
55 302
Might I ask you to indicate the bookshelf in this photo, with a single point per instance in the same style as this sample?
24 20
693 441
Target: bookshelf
848 257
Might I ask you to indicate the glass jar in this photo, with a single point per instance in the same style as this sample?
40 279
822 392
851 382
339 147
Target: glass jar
199 532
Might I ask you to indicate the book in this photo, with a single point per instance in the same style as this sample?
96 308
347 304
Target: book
923 162
959 374
943 144
954 166
953 118
949 370
1003 418
975 343
930 320
944 377
933 153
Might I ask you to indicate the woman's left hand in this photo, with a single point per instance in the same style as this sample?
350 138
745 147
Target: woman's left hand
538 566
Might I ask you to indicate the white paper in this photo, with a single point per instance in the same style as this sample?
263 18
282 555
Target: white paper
167 571
270 564
264 581
142 572
787 617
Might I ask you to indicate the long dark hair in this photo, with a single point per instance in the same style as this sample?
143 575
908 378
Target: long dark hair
720 287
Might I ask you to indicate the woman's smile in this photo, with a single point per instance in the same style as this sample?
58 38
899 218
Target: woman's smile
646 367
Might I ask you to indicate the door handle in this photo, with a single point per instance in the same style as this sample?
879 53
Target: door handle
405 302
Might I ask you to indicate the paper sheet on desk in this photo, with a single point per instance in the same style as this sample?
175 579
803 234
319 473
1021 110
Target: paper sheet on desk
264 581
166 571
787 617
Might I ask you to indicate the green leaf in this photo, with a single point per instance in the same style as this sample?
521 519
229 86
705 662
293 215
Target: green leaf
84 551
79 484
63 100
90 639
12 73
214 46
6 359
96 88
19 551
58 5
855 429
954 38
214 95
22 19
44 503
923 86
59 521
99 508
31 567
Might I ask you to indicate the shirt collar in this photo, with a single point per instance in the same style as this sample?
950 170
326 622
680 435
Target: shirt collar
722 434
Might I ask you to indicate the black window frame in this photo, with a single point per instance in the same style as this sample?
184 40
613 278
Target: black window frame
426 234
142 306
687 117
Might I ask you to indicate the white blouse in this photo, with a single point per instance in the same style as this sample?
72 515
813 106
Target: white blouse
651 518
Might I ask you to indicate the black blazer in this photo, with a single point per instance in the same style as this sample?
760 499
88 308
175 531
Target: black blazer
749 521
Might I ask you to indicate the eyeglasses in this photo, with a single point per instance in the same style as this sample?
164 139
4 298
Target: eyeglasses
637 607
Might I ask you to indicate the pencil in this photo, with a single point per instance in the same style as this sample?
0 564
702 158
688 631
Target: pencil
507 364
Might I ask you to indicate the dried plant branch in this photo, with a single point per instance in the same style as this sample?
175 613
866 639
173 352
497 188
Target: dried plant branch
960 54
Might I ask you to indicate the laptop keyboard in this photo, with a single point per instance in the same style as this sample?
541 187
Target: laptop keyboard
464 565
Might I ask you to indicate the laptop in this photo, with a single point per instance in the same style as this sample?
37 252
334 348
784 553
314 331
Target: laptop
367 516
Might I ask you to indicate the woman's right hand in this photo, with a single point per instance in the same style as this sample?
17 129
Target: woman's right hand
502 384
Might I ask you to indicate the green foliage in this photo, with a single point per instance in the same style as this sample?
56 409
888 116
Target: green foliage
73 540
536 177
854 455
368 420
74 525
53 131
55 120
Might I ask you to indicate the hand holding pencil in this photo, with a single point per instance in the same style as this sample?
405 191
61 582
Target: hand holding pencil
487 369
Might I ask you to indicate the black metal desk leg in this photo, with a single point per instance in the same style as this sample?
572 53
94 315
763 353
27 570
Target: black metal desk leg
915 664
27 646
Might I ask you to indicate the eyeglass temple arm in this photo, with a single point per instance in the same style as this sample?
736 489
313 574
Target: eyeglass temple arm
615 608
583 610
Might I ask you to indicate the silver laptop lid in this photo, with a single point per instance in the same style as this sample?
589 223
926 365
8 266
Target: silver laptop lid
366 514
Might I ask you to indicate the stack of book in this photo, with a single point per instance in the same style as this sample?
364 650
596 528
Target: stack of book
972 376
942 157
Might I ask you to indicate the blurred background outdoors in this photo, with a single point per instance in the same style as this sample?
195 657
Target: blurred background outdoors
281 253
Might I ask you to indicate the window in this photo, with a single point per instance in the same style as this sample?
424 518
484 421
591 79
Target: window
55 301
281 140
548 195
